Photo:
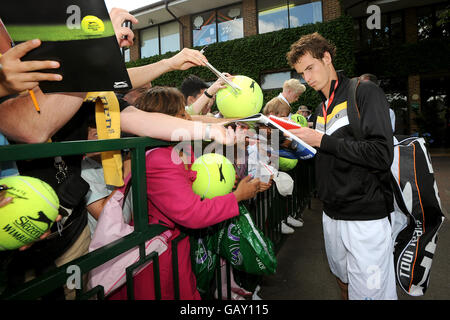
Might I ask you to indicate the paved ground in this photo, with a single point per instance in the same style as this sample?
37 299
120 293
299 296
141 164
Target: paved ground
303 272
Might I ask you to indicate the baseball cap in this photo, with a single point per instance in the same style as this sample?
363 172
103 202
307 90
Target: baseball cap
284 183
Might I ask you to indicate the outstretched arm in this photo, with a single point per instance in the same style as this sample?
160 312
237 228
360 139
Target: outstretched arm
183 60
20 121
140 76
165 127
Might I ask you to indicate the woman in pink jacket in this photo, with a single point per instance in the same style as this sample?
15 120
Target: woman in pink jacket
172 203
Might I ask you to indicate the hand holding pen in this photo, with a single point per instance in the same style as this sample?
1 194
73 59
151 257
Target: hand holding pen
233 85
17 76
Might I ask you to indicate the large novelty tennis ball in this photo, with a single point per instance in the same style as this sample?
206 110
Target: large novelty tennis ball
301 120
215 175
92 25
244 103
31 212
286 164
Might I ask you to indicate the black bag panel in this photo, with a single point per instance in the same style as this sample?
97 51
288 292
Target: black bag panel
72 191
418 198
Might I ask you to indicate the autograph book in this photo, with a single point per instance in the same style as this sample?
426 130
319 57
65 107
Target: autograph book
259 121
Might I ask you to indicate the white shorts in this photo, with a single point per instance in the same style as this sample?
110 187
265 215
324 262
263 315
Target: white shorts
360 253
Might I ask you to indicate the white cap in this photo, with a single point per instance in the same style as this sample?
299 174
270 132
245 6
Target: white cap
284 183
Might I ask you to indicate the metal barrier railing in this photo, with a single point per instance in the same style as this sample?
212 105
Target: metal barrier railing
267 211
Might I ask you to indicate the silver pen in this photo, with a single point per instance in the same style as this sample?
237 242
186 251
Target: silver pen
233 85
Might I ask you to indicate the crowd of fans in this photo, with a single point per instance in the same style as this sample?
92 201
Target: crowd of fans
155 112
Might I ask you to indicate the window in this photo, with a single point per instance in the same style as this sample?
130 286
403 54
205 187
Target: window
303 12
149 42
381 36
275 15
160 39
431 22
204 29
391 31
217 25
396 28
230 24
425 23
170 37
276 80
272 15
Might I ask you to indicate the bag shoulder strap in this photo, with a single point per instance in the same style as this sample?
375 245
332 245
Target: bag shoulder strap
126 191
354 117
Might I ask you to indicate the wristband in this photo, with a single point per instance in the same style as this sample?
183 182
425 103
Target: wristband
207 94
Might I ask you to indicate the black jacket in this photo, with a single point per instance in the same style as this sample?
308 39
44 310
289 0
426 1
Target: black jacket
353 176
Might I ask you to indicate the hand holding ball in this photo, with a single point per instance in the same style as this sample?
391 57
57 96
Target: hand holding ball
32 211
244 103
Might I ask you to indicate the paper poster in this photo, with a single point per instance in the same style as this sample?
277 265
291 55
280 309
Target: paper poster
78 34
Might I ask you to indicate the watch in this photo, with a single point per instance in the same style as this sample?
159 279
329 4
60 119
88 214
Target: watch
207 94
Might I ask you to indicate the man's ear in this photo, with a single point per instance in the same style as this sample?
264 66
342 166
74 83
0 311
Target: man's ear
326 58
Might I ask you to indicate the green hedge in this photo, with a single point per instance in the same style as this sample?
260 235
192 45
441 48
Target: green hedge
265 53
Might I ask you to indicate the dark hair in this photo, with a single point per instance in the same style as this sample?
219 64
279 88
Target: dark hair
132 95
192 86
313 43
370 77
166 100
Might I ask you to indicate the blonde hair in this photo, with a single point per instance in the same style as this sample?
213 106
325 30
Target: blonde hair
295 85
276 106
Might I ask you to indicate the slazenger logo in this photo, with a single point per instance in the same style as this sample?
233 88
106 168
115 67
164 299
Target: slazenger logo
120 84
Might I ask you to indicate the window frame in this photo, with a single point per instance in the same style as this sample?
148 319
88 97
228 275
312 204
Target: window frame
158 26
191 21
435 7
362 42
288 15
292 75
